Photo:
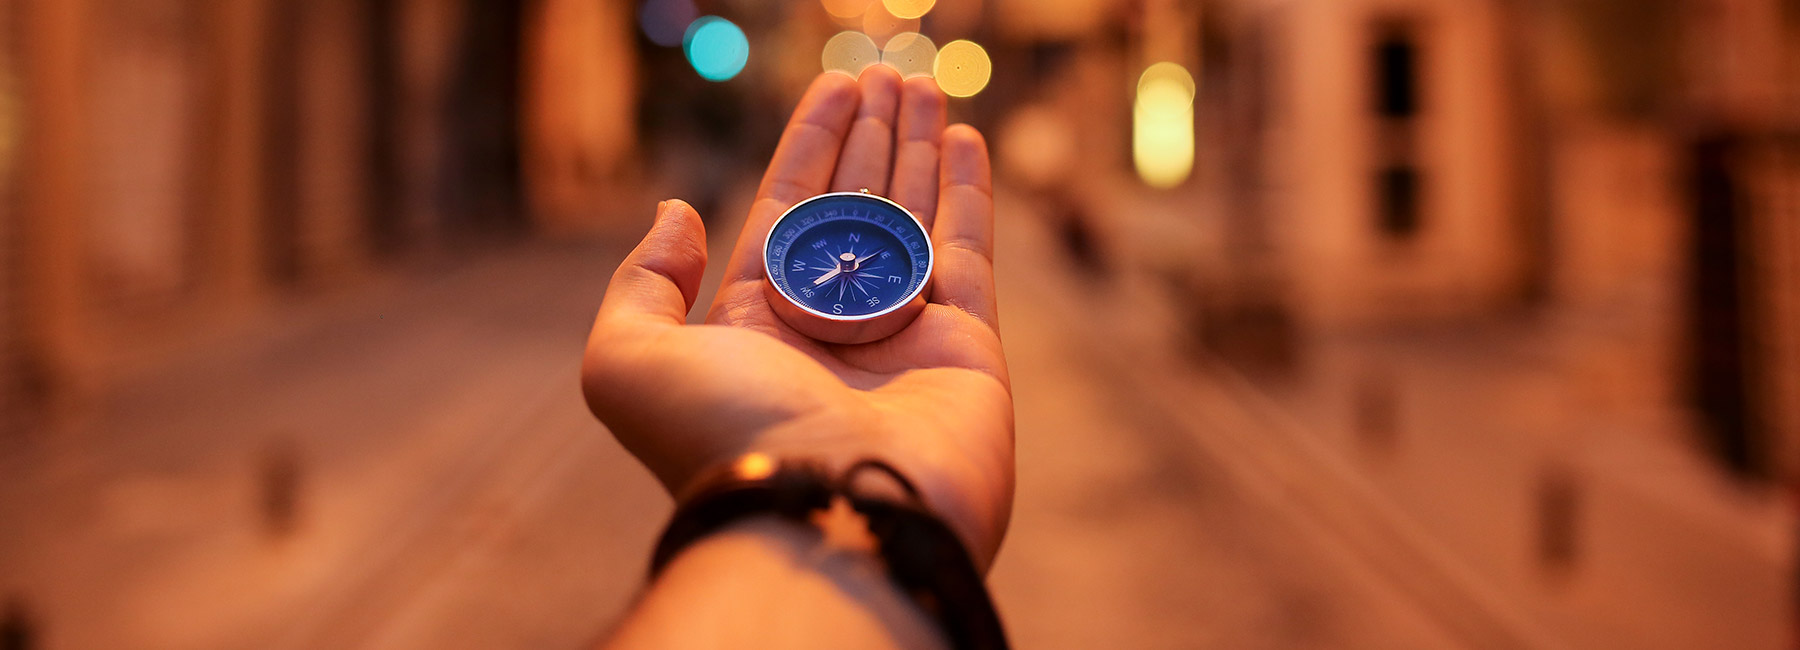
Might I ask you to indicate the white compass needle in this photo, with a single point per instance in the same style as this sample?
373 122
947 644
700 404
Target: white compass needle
874 251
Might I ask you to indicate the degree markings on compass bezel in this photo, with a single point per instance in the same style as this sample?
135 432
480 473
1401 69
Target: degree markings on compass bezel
912 236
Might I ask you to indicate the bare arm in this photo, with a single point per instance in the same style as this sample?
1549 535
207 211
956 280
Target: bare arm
774 584
933 401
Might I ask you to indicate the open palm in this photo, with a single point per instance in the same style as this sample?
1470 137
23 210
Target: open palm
934 399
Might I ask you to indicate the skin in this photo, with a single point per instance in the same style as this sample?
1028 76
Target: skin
934 399
773 584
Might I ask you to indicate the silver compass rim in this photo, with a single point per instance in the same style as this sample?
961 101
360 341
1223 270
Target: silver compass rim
924 283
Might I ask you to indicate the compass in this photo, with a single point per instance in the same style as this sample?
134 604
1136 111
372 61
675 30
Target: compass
847 267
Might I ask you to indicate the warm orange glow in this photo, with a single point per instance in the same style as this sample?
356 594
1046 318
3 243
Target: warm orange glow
882 26
1473 327
962 68
957 17
847 8
755 466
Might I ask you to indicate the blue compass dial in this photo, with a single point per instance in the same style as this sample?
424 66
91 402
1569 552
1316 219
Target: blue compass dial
848 256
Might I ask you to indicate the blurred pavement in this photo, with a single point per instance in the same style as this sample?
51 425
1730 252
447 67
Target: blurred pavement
455 492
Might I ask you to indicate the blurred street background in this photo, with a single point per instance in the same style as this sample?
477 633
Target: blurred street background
1333 323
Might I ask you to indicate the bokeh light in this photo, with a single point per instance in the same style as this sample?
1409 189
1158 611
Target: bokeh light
847 8
849 52
1039 146
1162 126
716 48
908 8
1496 301
1167 72
962 68
665 22
911 53
882 26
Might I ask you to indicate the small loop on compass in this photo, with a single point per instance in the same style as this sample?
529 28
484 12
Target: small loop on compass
864 190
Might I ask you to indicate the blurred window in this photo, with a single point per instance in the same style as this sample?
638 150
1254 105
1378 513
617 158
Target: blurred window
1396 74
1394 58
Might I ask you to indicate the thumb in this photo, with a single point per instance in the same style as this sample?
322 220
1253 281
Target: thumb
658 281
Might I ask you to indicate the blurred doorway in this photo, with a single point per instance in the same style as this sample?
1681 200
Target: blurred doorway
1720 329
482 179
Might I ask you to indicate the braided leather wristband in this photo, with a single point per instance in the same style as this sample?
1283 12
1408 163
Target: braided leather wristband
923 555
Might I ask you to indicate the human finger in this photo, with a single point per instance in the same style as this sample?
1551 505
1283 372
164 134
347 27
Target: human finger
802 166
869 148
658 281
918 134
963 236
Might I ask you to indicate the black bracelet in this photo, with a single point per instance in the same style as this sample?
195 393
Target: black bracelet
924 557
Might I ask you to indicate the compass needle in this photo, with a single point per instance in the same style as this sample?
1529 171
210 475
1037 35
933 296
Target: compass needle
874 250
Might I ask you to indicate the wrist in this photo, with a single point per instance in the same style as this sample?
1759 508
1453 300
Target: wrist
870 508
973 498
782 584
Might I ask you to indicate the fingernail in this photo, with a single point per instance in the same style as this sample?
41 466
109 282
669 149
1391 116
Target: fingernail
662 208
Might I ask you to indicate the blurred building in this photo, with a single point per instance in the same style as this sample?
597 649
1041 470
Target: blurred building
175 165
12 396
1381 157
1608 190
1624 169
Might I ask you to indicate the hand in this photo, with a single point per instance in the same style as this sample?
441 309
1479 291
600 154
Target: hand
934 399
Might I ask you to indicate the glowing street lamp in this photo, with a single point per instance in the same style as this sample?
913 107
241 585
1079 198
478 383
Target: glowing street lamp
1162 126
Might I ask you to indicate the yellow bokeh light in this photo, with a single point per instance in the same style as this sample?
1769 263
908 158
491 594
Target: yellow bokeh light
847 8
882 26
1162 126
1168 72
908 8
911 53
850 52
962 68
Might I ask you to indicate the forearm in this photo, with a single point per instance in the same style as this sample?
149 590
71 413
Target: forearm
775 584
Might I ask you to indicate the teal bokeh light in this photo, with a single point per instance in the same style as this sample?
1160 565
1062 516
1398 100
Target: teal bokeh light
716 48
